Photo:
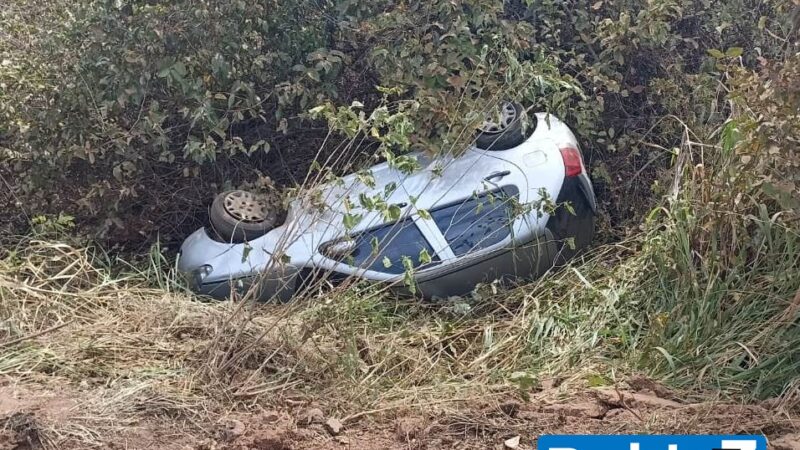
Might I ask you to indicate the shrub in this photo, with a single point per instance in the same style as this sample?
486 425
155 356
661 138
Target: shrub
138 111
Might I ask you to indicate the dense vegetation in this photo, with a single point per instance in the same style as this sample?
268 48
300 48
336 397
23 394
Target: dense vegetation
139 111
119 121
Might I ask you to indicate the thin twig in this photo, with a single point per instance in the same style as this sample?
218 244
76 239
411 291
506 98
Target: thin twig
34 335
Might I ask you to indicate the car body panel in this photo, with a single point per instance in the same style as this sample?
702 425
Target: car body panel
534 169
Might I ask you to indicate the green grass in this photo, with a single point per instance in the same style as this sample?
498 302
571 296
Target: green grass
730 320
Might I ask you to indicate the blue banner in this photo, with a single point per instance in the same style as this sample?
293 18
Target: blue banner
651 442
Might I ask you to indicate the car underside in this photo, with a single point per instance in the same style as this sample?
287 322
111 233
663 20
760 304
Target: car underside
502 213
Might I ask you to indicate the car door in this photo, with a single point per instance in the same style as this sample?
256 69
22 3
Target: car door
480 232
392 249
478 223
384 252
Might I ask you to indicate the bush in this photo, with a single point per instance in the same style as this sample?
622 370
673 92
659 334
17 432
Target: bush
138 111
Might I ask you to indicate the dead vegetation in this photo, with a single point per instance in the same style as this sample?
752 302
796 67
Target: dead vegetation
92 357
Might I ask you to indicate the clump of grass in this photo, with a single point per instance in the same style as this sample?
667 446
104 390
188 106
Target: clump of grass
728 324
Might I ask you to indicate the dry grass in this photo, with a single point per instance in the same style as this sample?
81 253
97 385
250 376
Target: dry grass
145 352
135 353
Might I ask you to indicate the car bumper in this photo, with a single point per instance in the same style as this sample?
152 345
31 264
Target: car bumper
224 270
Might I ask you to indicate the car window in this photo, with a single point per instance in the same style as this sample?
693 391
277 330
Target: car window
477 222
383 249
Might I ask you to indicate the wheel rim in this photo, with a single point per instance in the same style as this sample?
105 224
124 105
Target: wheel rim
245 206
507 116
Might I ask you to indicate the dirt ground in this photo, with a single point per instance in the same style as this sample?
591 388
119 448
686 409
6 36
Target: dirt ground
68 418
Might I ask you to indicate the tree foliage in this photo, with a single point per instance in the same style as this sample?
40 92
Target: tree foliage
116 111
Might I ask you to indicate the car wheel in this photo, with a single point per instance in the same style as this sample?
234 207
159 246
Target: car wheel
505 131
239 216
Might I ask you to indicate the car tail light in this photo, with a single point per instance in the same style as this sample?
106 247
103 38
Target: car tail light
572 161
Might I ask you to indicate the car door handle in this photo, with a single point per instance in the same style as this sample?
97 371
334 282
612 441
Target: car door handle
497 175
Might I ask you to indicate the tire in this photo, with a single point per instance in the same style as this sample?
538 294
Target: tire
239 216
506 133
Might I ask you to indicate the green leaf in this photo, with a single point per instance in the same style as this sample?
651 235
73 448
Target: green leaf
716 53
734 52
180 69
730 136
525 382
393 212
424 256
313 74
424 214
374 245
366 177
351 220
597 380
365 201
317 110
408 275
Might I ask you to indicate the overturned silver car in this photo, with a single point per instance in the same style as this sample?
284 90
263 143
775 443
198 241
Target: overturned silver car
513 205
